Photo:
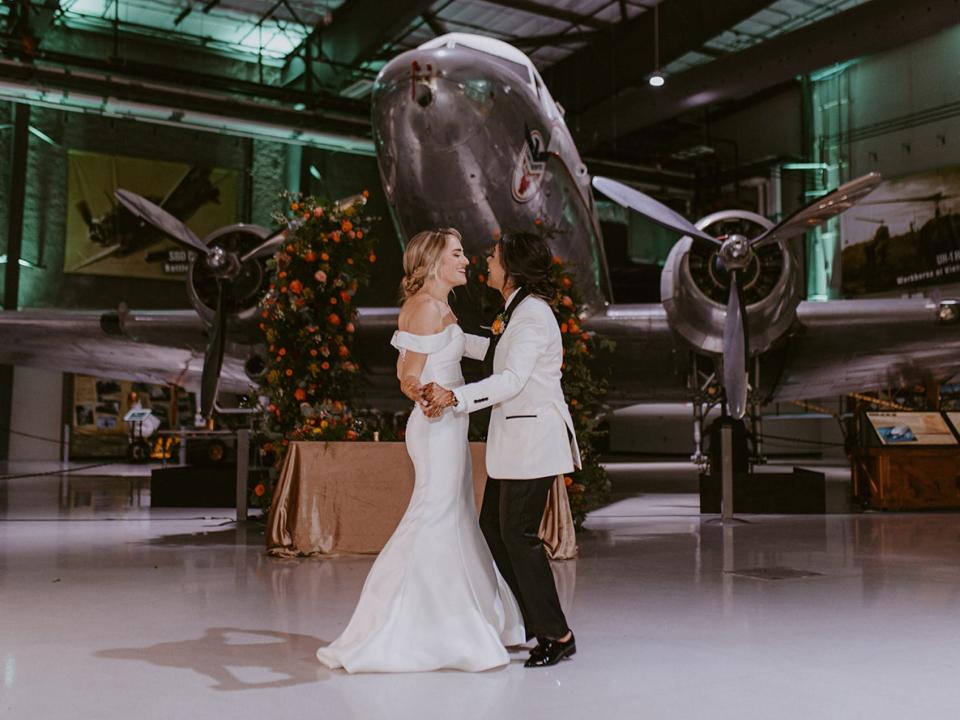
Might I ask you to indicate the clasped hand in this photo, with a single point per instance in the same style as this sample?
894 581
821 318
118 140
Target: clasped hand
434 399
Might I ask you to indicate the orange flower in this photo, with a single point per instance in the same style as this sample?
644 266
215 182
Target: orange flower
360 234
481 278
343 351
496 327
264 314
282 275
574 402
351 435
333 319
350 328
372 258
296 287
325 365
333 301
567 282
310 256
289 372
324 257
282 352
283 289
567 480
313 352
259 490
563 327
574 328
345 296
294 206
557 260
349 261
366 193
346 225
300 394
566 301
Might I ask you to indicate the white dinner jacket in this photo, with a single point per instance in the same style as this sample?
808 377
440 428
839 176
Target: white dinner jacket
531 432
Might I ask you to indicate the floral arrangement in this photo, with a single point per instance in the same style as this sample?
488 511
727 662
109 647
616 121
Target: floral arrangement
307 320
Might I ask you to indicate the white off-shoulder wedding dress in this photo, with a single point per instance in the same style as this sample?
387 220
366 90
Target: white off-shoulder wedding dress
434 598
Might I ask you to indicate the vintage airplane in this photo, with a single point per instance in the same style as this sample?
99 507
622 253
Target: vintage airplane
467 135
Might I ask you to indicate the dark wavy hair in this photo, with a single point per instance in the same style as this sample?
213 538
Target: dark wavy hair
526 260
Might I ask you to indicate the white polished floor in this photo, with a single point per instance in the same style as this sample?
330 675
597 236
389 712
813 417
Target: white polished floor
111 610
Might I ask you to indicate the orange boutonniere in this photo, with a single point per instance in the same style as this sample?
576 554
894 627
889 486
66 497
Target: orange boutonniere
499 324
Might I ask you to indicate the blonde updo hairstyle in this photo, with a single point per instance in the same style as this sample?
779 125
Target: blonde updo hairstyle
422 258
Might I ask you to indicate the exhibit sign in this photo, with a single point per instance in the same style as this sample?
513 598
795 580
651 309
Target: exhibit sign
904 235
911 428
104 238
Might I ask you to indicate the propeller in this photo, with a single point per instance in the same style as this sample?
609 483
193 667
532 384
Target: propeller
162 220
820 210
651 209
269 246
735 253
225 265
213 358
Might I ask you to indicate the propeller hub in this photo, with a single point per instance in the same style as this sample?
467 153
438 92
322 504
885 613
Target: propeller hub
217 258
735 252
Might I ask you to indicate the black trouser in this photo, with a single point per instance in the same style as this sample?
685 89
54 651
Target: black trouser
510 520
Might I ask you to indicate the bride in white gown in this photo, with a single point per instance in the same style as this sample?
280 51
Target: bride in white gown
434 598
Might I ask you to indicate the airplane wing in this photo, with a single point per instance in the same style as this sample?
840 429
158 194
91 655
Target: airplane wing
845 346
833 348
163 347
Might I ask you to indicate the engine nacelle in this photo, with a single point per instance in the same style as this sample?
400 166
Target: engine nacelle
250 285
694 286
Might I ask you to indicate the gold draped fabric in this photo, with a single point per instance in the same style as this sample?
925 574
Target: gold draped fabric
348 497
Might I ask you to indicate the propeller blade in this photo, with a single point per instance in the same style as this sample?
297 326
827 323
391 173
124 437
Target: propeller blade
213 358
650 208
161 219
820 210
735 351
268 247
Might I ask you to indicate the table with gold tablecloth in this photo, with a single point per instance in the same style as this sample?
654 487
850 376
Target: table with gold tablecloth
348 497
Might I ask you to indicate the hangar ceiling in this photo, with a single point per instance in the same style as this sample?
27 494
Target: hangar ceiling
308 65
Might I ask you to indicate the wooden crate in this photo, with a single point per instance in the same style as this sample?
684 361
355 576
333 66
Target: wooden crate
903 478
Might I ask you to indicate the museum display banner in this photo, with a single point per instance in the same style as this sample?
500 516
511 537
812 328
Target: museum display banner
904 235
103 238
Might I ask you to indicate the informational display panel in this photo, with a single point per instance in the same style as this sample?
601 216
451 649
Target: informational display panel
911 428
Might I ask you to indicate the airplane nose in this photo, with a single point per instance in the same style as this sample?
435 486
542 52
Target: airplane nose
423 94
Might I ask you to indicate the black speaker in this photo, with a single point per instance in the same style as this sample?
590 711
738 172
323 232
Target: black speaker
801 492
186 486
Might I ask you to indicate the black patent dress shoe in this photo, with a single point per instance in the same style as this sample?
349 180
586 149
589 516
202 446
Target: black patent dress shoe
550 652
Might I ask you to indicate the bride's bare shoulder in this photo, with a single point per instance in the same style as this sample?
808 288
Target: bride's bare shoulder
421 315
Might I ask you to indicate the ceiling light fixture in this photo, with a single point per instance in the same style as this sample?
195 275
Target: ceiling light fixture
657 78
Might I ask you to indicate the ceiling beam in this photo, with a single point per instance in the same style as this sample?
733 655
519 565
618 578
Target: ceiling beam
869 28
358 29
624 55
554 13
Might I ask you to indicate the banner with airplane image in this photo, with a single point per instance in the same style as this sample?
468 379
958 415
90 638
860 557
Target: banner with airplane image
904 235
103 238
